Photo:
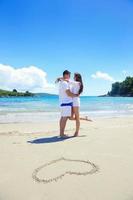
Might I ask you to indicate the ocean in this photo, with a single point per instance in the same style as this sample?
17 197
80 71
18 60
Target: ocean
43 108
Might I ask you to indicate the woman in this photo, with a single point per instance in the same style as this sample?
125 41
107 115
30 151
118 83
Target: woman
76 88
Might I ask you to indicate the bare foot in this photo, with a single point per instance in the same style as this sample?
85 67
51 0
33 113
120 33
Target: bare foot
76 134
64 136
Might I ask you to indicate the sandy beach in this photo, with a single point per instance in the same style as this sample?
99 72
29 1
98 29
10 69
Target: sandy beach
104 151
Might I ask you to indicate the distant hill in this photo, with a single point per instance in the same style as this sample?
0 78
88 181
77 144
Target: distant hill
45 94
123 89
15 93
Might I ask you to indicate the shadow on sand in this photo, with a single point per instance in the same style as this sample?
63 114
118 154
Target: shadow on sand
52 139
49 140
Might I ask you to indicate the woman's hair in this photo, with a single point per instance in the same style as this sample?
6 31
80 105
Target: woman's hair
78 78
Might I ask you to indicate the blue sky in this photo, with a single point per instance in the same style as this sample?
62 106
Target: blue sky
93 37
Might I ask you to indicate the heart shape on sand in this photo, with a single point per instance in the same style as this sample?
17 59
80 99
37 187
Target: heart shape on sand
94 169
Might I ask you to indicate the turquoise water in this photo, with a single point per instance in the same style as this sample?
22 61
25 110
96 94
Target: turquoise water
16 109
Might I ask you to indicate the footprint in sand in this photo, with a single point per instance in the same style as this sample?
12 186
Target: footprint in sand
57 169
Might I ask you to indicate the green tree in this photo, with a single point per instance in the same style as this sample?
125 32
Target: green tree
14 90
124 88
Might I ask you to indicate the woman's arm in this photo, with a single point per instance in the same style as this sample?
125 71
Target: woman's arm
59 79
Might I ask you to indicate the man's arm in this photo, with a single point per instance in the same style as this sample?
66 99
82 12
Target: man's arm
70 94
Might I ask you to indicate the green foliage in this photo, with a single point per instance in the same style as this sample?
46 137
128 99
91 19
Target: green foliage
14 90
15 93
124 88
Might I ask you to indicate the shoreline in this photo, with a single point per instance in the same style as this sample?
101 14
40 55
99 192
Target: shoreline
36 117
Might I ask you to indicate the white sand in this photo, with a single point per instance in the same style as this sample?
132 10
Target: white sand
106 142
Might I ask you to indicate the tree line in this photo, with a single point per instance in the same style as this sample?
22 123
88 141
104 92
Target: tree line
15 93
124 88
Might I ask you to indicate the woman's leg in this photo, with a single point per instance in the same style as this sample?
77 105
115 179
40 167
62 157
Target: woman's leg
76 113
72 115
81 118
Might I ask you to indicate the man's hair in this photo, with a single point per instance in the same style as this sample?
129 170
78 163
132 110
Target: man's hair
66 72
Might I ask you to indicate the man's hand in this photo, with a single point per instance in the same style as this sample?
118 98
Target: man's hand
70 94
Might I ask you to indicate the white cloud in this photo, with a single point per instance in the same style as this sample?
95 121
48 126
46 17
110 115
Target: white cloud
102 75
29 78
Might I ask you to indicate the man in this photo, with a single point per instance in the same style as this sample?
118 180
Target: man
65 97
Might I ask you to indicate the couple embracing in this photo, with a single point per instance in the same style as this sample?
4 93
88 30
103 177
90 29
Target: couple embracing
69 97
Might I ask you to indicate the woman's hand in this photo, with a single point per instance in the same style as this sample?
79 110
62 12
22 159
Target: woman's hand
61 79
58 79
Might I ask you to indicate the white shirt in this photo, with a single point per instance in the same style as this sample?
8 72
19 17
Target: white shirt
63 97
75 87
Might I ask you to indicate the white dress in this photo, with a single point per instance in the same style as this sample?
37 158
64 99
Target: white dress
75 87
